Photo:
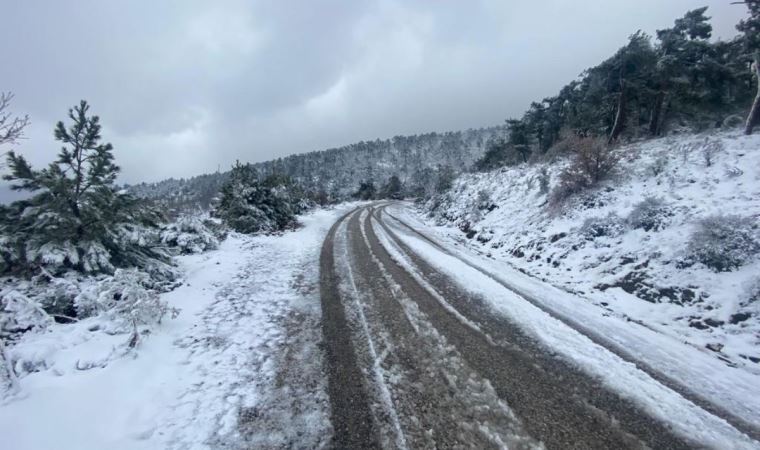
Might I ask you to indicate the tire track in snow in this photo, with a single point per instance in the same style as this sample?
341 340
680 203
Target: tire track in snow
378 374
558 403
442 402
351 415
737 422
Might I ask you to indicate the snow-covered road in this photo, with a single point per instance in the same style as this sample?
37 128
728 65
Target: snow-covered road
452 355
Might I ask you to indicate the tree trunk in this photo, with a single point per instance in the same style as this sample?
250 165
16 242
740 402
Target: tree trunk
617 128
754 114
655 120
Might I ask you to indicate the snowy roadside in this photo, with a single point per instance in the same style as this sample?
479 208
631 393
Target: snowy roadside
220 374
732 389
666 243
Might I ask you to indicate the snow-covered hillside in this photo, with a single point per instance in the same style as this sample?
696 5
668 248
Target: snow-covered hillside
671 242
418 161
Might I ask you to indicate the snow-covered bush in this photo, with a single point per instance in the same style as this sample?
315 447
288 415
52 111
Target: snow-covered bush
189 234
544 181
658 166
723 243
126 299
710 149
595 227
55 294
651 214
19 313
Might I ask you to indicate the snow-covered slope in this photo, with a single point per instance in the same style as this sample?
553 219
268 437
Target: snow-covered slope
634 245
236 369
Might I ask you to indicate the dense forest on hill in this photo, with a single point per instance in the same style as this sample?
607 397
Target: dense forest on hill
422 163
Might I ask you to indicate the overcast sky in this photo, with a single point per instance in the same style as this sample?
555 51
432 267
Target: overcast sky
186 86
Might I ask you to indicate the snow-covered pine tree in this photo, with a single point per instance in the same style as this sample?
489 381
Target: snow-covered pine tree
248 205
77 219
393 189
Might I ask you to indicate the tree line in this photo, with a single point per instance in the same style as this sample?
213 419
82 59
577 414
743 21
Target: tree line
678 79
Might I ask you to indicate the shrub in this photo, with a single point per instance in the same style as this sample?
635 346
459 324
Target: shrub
484 200
189 234
19 313
592 162
609 226
595 159
126 299
651 214
567 145
723 243
710 149
658 166
544 181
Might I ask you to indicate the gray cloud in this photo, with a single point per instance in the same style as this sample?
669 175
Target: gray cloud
185 86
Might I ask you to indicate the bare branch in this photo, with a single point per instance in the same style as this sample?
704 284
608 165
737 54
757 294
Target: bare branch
11 128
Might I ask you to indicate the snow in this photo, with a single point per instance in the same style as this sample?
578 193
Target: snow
674 295
191 381
686 418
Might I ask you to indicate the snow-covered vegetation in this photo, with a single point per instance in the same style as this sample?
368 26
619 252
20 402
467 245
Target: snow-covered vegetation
81 248
192 234
250 205
668 240
243 322
664 232
632 188
422 164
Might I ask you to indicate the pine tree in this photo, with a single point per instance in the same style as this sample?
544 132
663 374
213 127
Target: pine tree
366 190
80 182
249 205
77 217
496 155
519 138
393 188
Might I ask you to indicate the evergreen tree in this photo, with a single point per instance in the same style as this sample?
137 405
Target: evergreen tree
77 217
628 72
80 182
445 179
519 138
366 191
497 155
393 189
248 205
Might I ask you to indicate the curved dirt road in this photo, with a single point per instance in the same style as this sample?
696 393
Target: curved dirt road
416 361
